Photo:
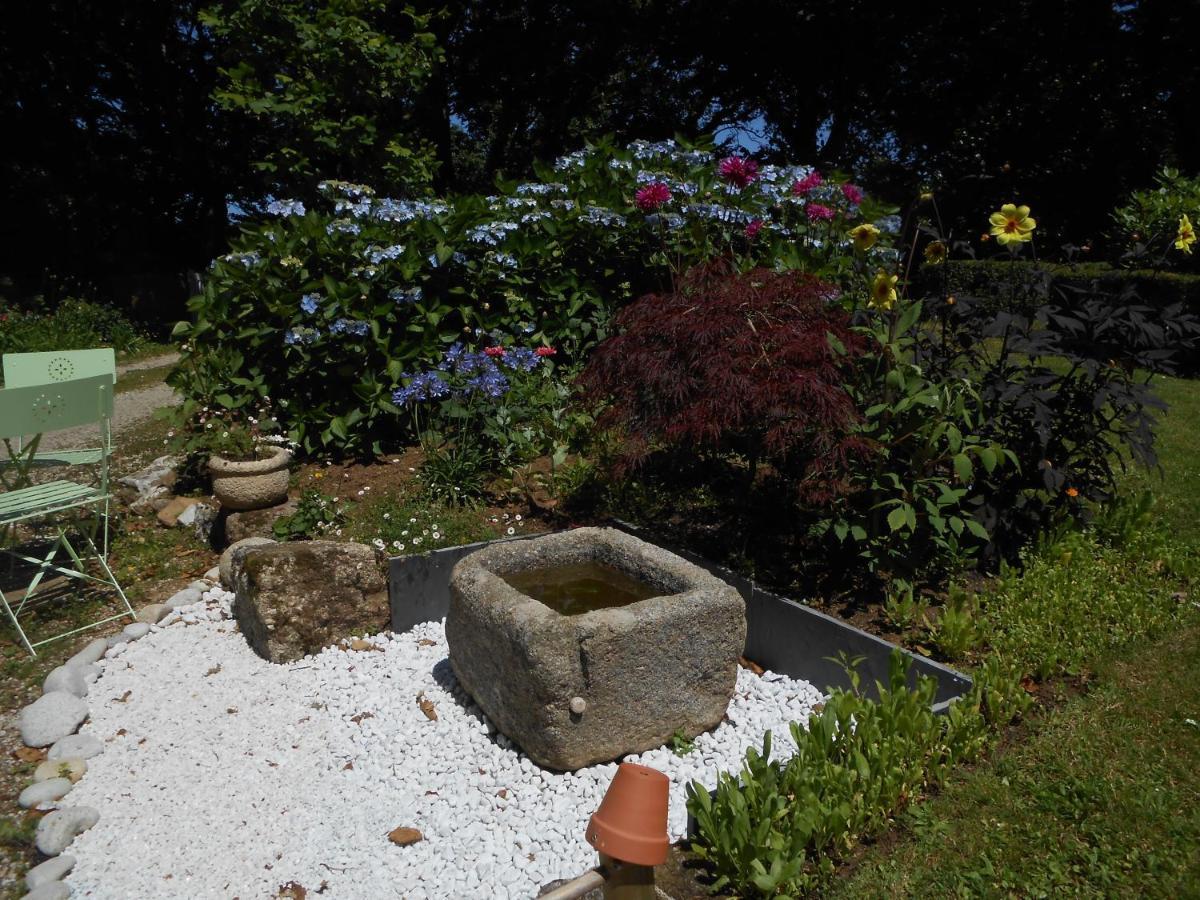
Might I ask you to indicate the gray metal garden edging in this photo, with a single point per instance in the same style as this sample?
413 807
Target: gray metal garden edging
783 635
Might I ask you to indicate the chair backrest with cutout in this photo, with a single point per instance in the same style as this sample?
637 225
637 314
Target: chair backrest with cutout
54 366
43 408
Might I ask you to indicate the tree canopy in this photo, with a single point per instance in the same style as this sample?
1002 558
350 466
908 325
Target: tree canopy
133 131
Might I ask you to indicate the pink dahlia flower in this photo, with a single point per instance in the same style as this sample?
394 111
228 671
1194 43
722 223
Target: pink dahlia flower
754 228
652 196
738 170
545 351
818 212
853 193
494 351
812 180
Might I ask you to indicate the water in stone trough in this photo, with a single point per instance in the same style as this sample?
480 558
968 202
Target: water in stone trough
578 588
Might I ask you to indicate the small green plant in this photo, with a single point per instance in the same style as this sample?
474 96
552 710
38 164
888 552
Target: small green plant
902 607
777 828
681 744
956 631
205 431
456 474
316 514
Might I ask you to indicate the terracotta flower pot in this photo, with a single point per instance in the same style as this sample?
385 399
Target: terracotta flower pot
253 483
631 823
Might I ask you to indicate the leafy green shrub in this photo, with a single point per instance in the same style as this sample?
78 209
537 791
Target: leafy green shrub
1063 384
777 828
72 325
1147 225
326 306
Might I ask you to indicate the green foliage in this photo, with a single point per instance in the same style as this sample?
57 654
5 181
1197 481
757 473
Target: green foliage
331 89
902 607
1146 224
327 308
315 515
1095 800
456 473
681 744
72 325
956 628
1087 592
203 431
777 828
410 523
910 510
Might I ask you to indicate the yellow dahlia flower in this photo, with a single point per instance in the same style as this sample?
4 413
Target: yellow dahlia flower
1012 224
1186 236
864 236
935 253
883 290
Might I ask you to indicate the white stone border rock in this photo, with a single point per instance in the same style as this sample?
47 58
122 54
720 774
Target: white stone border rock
53 720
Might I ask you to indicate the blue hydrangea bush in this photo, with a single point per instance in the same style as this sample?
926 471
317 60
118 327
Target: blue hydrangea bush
332 309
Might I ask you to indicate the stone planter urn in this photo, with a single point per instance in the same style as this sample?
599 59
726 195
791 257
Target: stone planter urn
252 483
576 682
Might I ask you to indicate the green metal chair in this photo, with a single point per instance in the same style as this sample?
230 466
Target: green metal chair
33 369
35 411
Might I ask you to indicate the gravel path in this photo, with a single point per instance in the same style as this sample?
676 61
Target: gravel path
153 362
226 776
130 408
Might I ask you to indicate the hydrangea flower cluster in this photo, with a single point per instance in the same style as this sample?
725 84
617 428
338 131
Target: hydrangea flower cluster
350 326
463 372
285 208
376 255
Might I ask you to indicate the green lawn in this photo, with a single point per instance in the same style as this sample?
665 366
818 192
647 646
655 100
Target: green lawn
1099 795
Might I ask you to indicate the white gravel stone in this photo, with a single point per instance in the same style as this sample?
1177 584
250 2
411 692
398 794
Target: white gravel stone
66 678
51 870
153 613
93 652
136 631
44 792
71 768
51 717
185 597
215 754
80 746
57 829
51 890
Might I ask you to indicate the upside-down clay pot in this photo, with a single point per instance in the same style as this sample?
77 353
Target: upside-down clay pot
631 823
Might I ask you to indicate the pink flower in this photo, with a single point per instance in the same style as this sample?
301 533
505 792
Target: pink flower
494 351
738 170
817 211
852 193
545 351
652 196
812 180
754 228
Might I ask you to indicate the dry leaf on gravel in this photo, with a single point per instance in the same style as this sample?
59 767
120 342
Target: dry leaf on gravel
402 837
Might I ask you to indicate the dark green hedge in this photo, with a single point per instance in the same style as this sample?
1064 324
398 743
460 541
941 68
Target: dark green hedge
991 279
987 278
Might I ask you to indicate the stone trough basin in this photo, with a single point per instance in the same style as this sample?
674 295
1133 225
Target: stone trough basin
587 645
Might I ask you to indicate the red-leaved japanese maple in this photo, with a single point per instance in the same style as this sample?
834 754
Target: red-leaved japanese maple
733 363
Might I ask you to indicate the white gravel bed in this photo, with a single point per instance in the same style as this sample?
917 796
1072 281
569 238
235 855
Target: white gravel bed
226 776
